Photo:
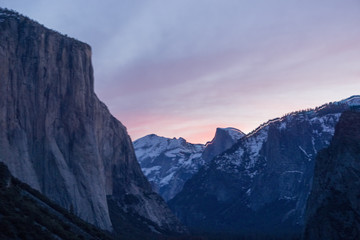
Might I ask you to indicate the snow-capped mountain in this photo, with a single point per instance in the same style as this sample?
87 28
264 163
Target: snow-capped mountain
169 163
262 183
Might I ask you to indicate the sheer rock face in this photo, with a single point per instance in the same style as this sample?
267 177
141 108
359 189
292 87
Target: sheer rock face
333 209
223 140
261 184
55 133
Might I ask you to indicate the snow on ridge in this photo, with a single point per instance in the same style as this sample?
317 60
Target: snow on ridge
166 179
234 133
311 114
252 146
167 162
254 141
327 122
152 145
172 153
149 170
7 14
153 139
149 146
282 125
264 126
255 144
351 101
148 140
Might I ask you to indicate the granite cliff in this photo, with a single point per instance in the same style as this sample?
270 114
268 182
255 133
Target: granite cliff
59 138
224 139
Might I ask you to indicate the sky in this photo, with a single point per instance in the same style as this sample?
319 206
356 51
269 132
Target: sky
182 68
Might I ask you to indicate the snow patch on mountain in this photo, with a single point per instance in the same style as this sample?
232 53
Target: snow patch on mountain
352 101
282 125
306 154
327 122
234 133
168 163
149 170
166 179
254 145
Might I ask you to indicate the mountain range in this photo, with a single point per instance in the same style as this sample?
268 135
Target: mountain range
169 163
265 176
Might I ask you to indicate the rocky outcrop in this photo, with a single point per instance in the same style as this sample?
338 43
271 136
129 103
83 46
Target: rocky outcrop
224 139
169 163
261 185
333 210
55 133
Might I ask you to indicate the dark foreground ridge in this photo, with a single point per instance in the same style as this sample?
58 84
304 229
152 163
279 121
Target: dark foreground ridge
333 210
27 214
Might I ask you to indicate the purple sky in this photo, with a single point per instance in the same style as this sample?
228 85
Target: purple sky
184 67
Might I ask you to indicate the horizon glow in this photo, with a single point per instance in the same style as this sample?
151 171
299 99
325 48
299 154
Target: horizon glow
183 68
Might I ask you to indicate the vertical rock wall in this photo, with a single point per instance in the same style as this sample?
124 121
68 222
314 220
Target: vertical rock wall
54 132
